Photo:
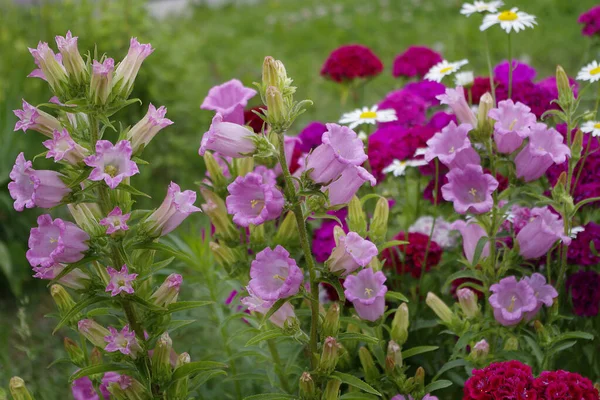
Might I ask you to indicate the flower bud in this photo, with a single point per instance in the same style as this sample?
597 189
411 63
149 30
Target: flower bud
33 118
217 212
393 357
484 123
276 110
128 389
511 344
565 92
577 146
439 308
480 350
93 331
542 333
214 170
167 292
86 216
331 324
308 390
243 166
270 72
468 302
400 325
95 356
128 69
179 388
368 365
420 378
224 256
357 219
161 364
287 233
101 82
332 390
18 390
257 236
53 71
71 58
329 356
379 222
62 298
74 351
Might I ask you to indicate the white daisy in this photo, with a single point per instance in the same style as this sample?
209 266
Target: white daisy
367 115
398 168
420 151
480 7
590 72
443 69
592 127
464 78
575 231
362 135
509 20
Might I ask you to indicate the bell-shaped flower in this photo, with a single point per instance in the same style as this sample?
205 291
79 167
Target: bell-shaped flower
51 68
274 275
33 118
544 292
253 201
111 163
542 231
71 58
512 300
513 122
258 305
120 281
342 189
228 139
63 148
366 291
101 83
455 98
229 100
470 189
175 208
115 221
350 253
545 148
128 69
471 233
124 342
144 131
452 147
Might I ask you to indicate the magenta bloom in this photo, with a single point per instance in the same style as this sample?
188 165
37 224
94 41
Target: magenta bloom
310 136
128 69
256 304
367 292
415 61
513 122
124 342
351 179
540 234
253 201
274 275
452 147
521 72
83 389
341 147
591 21
115 221
124 382
229 100
455 98
112 163
512 300
63 147
580 252
470 189
31 117
227 138
585 292
30 188
410 108
120 281
427 90
76 279
351 253
350 62
544 293
175 208
55 241
144 131
268 175
545 148
471 233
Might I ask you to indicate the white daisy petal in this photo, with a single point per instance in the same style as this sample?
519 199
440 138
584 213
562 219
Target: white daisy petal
509 20
480 7
590 72
443 69
367 115
592 127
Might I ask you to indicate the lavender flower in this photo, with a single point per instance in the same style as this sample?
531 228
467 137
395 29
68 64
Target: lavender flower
83 389
253 201
455 98
175 208
268 175
229 100
50 66
144 131
30 188
124 342
545 148
55 242
544 293
258 305
351 179
274 275
112 163
115 221
470 189
512 300
367 292
513 122
128 68
72 60
120 281
351 252
471 233
228 139
452 147
102 80
540 233
63 147
31 117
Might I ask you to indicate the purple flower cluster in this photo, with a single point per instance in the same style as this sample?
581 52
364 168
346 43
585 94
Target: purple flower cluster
591 21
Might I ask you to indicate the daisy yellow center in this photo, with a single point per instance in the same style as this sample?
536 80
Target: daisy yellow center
597 126
111 170
507 16
368 292
368 114
595 71
445 70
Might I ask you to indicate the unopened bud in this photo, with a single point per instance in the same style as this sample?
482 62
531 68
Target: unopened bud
161 359
71 58
276 109
216 210
467 299
541 331
101 81
243 166
439 308
74 351
379 222
18 390
179 388
329 355
352 328
393 357
480 350
257 236
577 146
565 92
332 390
368 365
375 264
511 344
331 324
63 299
484 123
214 171
420 378
167 292
128 388
86 216
95 356
270 72
224 256
357 219
307 387
400 324
287 231
93 331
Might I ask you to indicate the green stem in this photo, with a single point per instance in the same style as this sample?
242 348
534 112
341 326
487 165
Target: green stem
510 68
585 155
435 194
278 367
489 63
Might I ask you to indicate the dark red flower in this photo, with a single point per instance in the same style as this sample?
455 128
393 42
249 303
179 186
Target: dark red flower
564 385
481 86
413 254
579 249
585 292
501 381
591 21
347 63
255 122
415 61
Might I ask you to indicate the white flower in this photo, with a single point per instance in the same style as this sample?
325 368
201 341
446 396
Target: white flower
362 135
590 72
575 231
592 127
442 234
480 7
509 20
420 151
398 168
444 68
464 78
367 115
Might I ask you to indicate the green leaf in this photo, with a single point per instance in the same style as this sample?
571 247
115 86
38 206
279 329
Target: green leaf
145 303
562 346
196 366
396 296
358 396
413 351
186 305
205 376
59 361
335 282
391 243
354 381
361 337
437 385
535 349
574 335
278 304
98 369
368 197
130 189
479 249
176 324
326 216
166 249
72 267
450 365
466 273
82 177
271 396
154 268
266 335
86 302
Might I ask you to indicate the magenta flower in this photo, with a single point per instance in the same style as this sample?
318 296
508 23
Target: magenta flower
455 98
545 148
415 61
258 305
452 147
120 281
124 382
584 287
76 279
470 189
175 208
101 83
521 72
124 342
115 221
351 179
63 147
544 293
30 188
269 176
367 292
274 275
471 233
31 117
341 147
512 125
253 201
229 139
55 241
539 235
83 389
112 163
144 131
229 100
50 67
591 21
351 253
512 300
310 136
128 69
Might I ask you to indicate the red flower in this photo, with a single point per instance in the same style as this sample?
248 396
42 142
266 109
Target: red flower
564 385
349 62
415 61
255 122
499 381
413 254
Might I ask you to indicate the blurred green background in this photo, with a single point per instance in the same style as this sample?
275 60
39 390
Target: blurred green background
201 46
